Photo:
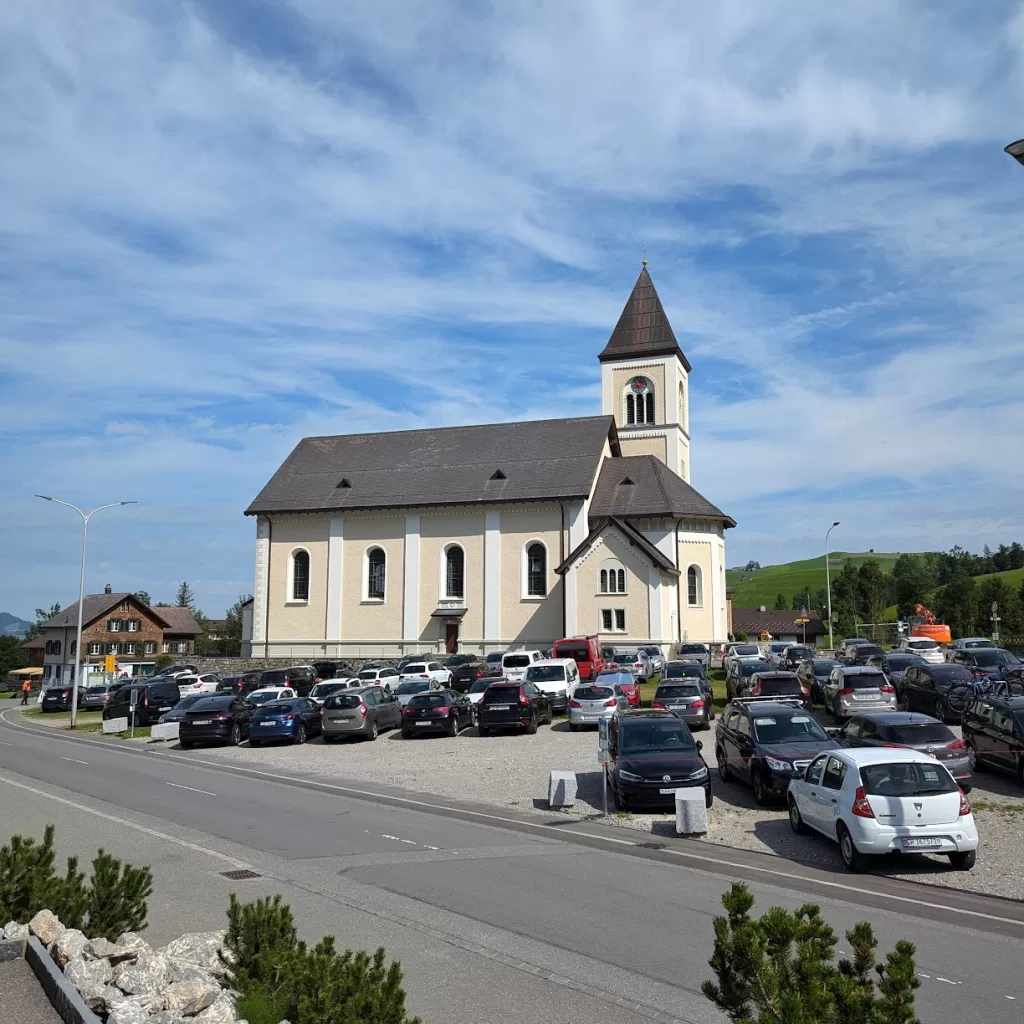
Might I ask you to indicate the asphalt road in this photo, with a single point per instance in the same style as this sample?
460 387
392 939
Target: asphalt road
494 914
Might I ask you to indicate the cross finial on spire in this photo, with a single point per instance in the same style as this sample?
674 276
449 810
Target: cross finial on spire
644 261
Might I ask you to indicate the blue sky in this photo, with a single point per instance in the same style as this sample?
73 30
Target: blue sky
227 225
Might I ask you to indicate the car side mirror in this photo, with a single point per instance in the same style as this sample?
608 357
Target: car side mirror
834 733
700 744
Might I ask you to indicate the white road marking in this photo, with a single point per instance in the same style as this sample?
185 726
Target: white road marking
205 792
233 861
75 759
947 981
921 974
714 862
1014 998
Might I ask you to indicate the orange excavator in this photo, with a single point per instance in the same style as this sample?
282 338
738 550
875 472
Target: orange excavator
930 628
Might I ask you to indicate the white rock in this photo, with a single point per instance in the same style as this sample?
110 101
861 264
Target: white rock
191 997
88 972
149 1003
154 963
220 1012
46 927
198 948
104 949
132 942
101 998
134 981
129 1013
181 971
164 1017
13 930
70 945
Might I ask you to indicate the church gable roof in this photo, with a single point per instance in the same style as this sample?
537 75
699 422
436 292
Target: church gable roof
633 535
653 491
543 460
643 328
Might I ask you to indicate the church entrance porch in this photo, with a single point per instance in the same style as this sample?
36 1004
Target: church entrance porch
451 637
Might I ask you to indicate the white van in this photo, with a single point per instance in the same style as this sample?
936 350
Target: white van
557 677
515 663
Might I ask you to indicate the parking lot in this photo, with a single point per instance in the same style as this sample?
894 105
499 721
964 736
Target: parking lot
512 770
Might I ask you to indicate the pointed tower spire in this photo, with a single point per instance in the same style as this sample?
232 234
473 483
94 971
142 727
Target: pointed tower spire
643 328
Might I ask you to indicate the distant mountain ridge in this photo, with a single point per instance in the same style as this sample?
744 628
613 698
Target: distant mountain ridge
11 625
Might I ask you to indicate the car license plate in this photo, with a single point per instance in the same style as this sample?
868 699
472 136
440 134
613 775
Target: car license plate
499 707
266 724
665 792
865 696
340 719
922 842
202 721
423 722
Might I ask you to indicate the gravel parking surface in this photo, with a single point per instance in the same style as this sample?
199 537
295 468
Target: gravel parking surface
512 770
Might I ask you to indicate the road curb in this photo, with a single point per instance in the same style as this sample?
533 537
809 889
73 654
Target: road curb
63 996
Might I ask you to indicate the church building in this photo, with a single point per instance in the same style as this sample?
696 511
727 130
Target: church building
503 535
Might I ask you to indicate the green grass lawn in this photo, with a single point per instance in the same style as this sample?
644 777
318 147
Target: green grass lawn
88 721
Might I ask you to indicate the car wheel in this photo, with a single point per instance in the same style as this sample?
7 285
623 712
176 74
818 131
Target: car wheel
300 733
723 765
482 730
942 712
452 728
901 701
761 795
796 823
979 765
964 860
853 859
185 744
531 728
236 735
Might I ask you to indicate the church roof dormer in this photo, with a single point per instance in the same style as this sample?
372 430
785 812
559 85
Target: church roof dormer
643 328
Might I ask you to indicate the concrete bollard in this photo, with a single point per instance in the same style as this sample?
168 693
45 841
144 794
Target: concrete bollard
562 789
691 811
167 731
115 725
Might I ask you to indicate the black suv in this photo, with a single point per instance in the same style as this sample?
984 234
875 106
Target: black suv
242 684
994 731
793 656
985 661
512 706
814 673
58 698
895 664
151 700
861 654
651 754
739 672
776 684
301 678
466 669
926 688
766 743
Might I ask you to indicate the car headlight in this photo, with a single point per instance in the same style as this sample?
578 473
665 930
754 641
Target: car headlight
700 773
778 766
629 776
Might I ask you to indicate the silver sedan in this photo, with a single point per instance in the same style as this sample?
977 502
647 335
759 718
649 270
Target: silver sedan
591 702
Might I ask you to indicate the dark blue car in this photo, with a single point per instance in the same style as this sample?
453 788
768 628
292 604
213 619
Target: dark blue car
294 719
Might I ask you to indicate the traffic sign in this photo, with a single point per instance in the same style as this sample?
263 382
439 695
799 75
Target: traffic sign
110 663
800 622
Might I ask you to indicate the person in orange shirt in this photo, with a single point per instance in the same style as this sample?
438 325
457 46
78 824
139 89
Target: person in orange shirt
26 689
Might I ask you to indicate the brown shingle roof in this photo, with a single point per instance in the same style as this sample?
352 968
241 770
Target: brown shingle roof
36 644
643 328
653 492
93 607
753 622
179 620
496 462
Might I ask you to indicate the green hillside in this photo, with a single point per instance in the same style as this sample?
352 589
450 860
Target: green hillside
752 589
1013 578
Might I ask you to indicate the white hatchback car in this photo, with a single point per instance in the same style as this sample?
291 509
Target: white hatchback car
433 671
515 663
379 675
204 683
924 647
875 800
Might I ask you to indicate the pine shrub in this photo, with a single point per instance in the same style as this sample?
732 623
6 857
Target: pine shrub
117 897
779 969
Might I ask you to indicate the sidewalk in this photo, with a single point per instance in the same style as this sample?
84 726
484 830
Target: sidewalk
23 998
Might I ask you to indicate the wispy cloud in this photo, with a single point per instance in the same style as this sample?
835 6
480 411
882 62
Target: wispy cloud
227 225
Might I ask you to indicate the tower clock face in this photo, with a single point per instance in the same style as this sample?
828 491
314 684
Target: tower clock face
638 385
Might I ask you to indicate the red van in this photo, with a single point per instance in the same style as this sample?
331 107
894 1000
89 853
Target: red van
585 651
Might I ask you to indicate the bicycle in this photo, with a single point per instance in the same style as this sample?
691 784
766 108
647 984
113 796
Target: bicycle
959 696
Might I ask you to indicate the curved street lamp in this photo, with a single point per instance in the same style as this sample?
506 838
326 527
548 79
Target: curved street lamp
1016 150
828 583
81 593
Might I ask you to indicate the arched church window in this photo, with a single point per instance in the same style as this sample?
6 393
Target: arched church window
694 587
630 410
639 401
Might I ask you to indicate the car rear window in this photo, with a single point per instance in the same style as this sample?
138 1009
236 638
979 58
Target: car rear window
501 694
922 645
410 670
951 673
987 658
593 693
545 674
369 673
746 649
413 686
427 700
681 690
343 700
578 652
822 666
213 704
748 668
682 671
95 689
274 678
907 778
516 660
692 649
919 732
863 681
625 657
775 686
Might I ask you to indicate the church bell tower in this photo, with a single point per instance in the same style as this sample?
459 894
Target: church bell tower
645 381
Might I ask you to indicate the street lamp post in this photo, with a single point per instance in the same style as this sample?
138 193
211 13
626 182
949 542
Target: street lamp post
1016 150
828 585
81 594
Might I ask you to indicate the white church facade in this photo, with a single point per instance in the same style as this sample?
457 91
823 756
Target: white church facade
490 537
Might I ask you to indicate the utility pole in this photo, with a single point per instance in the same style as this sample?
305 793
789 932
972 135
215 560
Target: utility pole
995 621
828 586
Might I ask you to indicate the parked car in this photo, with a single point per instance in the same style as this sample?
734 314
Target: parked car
172 671
243 683
737 672
985 661
476 690
378 675
300 678
859 654
876 801
854 688
895 664
151 698
56 698
588 654
851 641
466 669
293 718
794 655
433 672
324 670
633 660
494 661
814 673
925 648
93 698
557 677
625 681
772 652
926 688
651 754
270 694
913 730
408 658
656 657
220 719
743 652
593 701
767 744
322 690
508 705
686 699
694 652
608 652
515 663
405 691
776 684
205 682
967 643
443 711
177 713
994 733
692 670
365 711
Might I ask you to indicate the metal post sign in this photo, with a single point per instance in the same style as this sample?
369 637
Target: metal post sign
602 741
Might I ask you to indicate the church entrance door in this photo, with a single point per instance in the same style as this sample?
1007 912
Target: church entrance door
451 637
